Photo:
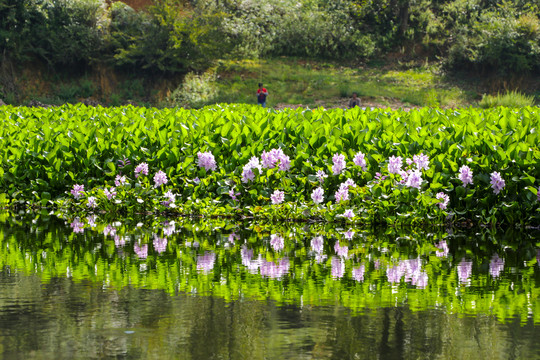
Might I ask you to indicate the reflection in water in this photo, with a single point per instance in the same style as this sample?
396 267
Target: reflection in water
309 291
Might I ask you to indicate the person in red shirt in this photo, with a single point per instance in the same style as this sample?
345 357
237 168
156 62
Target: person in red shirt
262 93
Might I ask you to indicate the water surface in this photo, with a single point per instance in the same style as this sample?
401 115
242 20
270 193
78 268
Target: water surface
183 290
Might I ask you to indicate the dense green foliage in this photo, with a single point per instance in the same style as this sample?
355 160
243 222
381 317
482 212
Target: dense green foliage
179 36
93 147
499 276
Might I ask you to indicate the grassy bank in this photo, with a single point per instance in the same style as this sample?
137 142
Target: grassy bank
291 83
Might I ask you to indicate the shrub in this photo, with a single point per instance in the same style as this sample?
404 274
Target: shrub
196 91
513 99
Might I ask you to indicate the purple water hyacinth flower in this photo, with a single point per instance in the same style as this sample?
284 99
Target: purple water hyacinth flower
497 182
379 177
120 180
91 220
160 178
317 244
360 160
349 234
349 214
338 267
110 193
318 195
160 244
342 195
247 171
275 157
77 191
141 251
358 273
91 202
394 164
321 175
464 270
496 266
277 242
465 175
339 163
421 161
273 270
124 162
444 200
233 194
277 197
342 251
443 246
409 161
196 180
414 179
142 168
347 184
109 230
206 160
205 263
77 226
170 199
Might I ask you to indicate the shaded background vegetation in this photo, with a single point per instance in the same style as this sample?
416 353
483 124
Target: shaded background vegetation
167 39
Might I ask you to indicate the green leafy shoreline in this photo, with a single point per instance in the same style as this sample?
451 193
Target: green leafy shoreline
94 147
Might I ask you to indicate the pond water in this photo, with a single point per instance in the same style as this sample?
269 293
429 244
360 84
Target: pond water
157 289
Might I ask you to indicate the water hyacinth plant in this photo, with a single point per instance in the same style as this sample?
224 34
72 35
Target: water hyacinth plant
399 162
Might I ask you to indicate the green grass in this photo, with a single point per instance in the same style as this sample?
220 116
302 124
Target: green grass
510 99
309 83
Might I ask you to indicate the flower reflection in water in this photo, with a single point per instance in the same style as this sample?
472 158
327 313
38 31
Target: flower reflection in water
464 270
205 263
496 266
338 267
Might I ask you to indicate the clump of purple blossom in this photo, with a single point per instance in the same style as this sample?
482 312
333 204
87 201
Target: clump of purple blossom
349 214
318 195
91 202
206 160
421 161
141 251
247 171
394 164
110 193
277 197
77 226
77 191
142 168
339 163
170 198
160 178
275 157
414 179
465 175
321 175
360 160
233 194
444 200
120 180
497 182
